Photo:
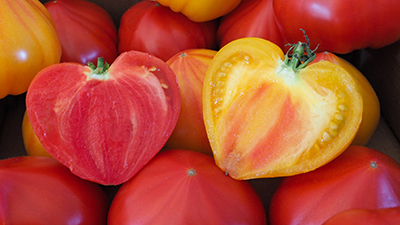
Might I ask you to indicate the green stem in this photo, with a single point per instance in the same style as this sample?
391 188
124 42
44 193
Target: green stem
101 68
301 55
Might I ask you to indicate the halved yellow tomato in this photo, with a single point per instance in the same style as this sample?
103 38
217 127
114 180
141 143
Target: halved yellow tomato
371 105
269 115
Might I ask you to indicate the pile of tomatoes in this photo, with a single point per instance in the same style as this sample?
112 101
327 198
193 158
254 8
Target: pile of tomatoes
169 116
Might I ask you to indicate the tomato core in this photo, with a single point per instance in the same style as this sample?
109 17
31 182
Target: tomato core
191 172
374 165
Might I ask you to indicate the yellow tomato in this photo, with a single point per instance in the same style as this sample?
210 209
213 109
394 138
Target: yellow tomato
201 10
371 112
28 43
269 115
31 141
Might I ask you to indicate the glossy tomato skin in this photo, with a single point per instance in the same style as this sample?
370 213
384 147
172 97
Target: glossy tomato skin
251 18
86 31
29 43
359 178
32 144
371 105
185 187
105 127
386 216
39 190
150 27
199 10
265 118
190 67
339 26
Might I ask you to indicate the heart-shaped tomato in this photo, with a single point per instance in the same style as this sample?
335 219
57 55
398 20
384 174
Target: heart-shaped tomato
269 115
105 124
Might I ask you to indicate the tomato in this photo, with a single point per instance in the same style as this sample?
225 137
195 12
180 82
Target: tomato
85 29
39 190
150 27
268 115
252 18
185 187
105 123
190 67
387 216
360 177
29 43
371 112
32 143
200 10
333 25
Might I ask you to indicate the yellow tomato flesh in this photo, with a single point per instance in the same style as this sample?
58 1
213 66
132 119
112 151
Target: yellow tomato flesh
266 120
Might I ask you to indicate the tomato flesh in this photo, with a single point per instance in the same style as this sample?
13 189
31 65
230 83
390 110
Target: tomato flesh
265 120
105 127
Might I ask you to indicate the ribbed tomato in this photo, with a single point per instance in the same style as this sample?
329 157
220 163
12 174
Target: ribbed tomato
105 123
268 114
185 187
360 178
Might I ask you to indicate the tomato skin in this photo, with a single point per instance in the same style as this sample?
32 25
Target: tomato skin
165 190
29 43
150 27
39 190
32 144
251 18
199 10
190 67
371 111
386 216
266 119
86 31
105 127
348 182
330 24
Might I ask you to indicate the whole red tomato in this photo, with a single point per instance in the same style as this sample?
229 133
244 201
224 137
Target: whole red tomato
39 190
86 31
386 216
185 187
105 123
359 178
339 26
150 27
251 18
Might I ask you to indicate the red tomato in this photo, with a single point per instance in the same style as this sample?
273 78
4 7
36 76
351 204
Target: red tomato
39 190
190 67
339 26
105 124
86 31
252 18
185 187
387 216
359 178
150 27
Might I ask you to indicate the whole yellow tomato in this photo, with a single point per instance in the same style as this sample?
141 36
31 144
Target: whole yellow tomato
201 10
28 43
32 143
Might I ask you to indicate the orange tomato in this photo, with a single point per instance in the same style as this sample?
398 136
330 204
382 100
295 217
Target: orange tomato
32 143
29 43
268 114
190 67
371 112
200 10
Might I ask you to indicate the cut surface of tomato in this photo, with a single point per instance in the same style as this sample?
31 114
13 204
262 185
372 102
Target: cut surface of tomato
266 118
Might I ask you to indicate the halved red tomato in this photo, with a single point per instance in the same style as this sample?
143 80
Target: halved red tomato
268 114
105 123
